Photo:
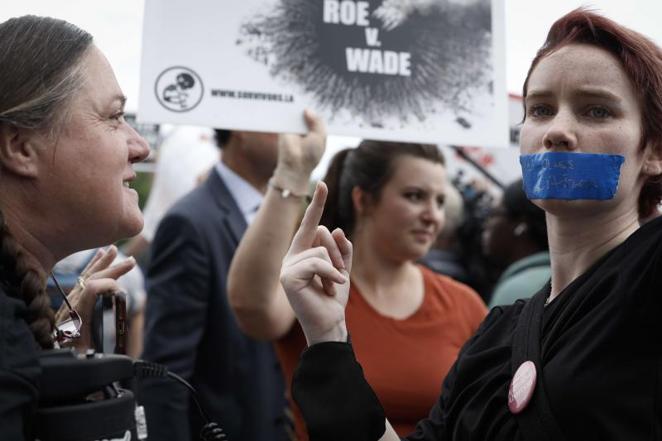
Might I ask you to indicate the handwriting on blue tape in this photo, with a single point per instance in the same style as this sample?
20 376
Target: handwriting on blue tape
571 176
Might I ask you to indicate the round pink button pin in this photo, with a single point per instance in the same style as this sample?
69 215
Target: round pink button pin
522 386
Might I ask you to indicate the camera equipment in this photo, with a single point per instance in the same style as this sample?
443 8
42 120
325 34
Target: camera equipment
81 399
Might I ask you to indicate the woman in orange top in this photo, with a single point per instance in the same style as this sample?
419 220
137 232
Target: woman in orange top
406 322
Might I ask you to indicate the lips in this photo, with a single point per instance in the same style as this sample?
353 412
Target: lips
126 182
422 234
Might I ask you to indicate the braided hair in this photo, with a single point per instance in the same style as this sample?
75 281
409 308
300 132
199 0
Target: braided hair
40 70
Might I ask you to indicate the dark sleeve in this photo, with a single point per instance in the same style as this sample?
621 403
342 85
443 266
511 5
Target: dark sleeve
336 401
19 372
175 319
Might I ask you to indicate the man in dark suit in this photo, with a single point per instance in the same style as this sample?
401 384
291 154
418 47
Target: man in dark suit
189 325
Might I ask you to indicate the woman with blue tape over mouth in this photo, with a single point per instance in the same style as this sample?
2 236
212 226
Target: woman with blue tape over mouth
582 359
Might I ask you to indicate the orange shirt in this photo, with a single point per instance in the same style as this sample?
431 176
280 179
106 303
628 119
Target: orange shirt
405 361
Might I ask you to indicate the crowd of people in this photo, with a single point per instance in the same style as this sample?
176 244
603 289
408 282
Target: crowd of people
359 314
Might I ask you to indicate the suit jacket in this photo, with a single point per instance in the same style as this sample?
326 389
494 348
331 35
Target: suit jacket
190 328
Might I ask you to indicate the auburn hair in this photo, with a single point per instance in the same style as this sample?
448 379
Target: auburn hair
641 60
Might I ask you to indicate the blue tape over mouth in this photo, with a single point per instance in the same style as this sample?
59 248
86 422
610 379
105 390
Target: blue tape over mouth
571 176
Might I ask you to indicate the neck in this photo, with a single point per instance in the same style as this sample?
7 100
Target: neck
376 274
577 242
22 233
244 168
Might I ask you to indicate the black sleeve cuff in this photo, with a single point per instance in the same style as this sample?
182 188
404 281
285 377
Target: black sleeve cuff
336 401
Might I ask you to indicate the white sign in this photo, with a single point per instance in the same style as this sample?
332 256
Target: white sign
408 70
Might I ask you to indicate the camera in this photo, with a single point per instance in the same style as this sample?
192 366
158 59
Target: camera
81 398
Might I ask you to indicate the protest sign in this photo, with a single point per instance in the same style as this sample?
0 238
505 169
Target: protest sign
409 70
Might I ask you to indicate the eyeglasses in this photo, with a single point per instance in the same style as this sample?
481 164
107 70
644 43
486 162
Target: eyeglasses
69 329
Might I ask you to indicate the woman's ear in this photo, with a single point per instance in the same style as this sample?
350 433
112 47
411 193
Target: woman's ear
653 160
357 200
18 151
361 200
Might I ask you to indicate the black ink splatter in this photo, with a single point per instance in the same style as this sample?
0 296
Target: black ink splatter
450 46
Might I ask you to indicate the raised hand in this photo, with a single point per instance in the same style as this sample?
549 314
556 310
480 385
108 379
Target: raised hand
315 275
298 155
98 278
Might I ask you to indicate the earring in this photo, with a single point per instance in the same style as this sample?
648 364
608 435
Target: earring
519 229
649 169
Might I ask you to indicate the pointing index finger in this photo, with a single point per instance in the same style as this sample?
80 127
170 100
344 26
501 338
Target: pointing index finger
305 235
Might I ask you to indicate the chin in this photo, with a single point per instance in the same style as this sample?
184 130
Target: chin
562 207
132 227
129 224
418 251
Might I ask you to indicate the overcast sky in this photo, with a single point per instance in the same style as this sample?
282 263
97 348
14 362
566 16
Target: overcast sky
116 26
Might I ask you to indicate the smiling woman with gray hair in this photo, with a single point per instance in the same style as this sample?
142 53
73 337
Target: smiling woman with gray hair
66 158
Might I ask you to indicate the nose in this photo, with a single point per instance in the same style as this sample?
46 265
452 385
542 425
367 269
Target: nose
138 147
433 214
561 134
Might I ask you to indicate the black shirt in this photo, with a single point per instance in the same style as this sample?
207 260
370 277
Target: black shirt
19 370
601 354
600 357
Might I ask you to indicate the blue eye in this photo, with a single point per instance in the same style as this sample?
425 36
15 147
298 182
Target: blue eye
540 111
598 112
414 196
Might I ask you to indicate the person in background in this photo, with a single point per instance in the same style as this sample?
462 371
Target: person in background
189 326
66 165
186 154
407 322
445 257
515 243
580 360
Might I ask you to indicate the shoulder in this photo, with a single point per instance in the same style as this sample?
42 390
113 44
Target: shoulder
12 311
196 210
18 349
193 202
497 328
521 285
456 293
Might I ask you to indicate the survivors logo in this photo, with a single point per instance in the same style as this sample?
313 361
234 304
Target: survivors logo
179 89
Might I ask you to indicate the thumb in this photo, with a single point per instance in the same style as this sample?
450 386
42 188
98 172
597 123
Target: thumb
314 122
345 247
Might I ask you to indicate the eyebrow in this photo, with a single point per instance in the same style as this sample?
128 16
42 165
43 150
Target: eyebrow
424 189
582 93
120 98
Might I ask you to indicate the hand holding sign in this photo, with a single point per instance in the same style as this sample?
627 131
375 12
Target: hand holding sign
298 155
315 275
